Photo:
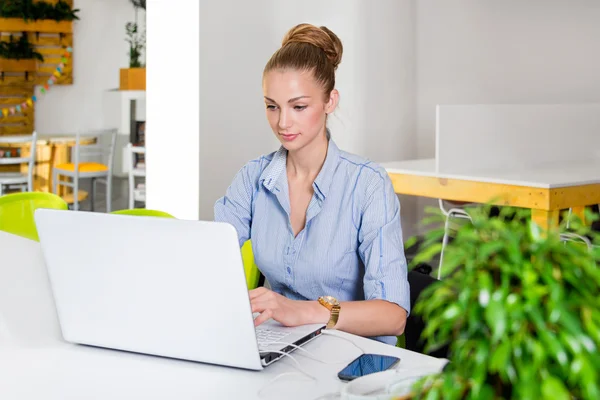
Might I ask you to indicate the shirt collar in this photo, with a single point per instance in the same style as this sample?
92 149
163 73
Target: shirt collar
274 171
325 177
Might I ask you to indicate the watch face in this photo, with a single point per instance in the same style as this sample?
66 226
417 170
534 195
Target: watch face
330 300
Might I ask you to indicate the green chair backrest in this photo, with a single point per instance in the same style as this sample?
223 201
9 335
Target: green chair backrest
17 211
250 267
144 212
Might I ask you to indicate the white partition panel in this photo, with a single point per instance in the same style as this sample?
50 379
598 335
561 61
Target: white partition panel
514 136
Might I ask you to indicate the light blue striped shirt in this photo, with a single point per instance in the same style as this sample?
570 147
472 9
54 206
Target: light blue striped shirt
351 246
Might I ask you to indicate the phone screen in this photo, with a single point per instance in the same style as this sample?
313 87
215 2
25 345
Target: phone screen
367 364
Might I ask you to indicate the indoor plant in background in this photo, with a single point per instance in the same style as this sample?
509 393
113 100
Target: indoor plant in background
518 307
18 55
30 10
134 77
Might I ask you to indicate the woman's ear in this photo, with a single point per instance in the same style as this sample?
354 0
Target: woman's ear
332 103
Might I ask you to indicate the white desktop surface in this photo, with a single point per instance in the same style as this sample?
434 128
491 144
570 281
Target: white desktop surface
35 363
547 176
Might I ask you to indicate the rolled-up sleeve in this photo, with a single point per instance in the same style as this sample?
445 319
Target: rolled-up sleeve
235 207
380 244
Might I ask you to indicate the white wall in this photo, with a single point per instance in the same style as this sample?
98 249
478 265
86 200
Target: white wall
375 79
510 51
99 51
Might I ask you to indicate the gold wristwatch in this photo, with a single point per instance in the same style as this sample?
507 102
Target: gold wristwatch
333 306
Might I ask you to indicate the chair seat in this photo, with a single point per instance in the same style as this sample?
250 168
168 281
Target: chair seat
83 167
12 178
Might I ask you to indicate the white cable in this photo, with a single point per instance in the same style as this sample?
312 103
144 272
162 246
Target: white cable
326 332
296 361
334 333
310 355
286 373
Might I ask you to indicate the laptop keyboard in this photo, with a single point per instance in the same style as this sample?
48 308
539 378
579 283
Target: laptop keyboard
266 336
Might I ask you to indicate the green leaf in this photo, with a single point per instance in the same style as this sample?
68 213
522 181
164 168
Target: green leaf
489 249
500 357
495 316
452 312
553 389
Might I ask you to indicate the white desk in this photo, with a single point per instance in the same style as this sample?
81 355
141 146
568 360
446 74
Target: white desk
35 363
547 176
545 189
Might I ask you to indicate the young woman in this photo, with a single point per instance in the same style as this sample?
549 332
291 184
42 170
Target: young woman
325 224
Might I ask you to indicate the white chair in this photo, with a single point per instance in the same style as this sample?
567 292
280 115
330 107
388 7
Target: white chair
135 171
449 213
462 214
81 169
574 237
18 180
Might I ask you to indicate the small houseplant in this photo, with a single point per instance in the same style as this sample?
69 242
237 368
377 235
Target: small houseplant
30 10
519 309
18 55
37 16
134 77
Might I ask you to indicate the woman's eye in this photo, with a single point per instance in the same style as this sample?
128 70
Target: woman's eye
299 108
271 107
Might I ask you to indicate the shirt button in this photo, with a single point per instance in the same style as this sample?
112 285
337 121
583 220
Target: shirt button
289 270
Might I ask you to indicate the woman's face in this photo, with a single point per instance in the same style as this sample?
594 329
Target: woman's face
296 106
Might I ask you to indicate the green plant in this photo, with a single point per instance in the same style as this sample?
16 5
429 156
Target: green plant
33 11
139 4
136 42
518 307
20 49
135 38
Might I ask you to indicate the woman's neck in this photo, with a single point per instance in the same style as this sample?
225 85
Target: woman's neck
306 163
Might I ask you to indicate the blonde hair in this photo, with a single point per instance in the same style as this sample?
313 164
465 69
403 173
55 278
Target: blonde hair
306 47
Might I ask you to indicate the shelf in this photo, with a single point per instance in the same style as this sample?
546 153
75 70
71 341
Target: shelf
138 172
44 25
139 194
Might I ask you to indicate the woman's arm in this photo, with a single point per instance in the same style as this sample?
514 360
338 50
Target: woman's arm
364 318
235 207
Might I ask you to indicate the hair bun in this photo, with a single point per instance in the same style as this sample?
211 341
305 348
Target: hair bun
320 37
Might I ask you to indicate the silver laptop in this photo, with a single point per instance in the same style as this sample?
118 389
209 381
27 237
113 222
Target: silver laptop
158 286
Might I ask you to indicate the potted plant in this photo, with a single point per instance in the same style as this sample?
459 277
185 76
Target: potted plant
134 77
37 16
18 55
519 308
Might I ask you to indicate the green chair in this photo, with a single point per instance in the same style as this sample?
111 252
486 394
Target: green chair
250 267
17 211
143 212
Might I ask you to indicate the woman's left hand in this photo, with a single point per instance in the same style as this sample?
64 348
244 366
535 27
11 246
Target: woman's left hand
273 305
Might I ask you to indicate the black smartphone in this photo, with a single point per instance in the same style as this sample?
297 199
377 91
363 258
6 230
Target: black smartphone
367 364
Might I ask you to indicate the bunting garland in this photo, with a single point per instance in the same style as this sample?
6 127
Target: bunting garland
5 112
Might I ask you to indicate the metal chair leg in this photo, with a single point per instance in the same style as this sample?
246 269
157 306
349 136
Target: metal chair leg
93 194
444 244
109 193
55 182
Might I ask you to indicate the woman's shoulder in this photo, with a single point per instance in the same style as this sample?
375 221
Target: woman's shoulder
254 168
365 170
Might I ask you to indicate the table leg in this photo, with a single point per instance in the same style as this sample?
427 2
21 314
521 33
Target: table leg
545 219
579 212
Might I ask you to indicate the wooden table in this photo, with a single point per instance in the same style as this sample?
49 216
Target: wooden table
545 189
52 150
